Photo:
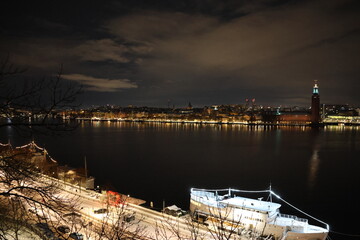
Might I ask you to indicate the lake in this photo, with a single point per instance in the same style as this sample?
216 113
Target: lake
317 170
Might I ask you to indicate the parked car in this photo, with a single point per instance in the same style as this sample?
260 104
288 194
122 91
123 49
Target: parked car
32 210
76 236
72 214
129 217
174 211
73 217
39 213
42 225
45 229
63 229
101 210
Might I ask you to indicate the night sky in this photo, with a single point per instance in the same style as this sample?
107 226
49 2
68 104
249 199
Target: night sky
208 52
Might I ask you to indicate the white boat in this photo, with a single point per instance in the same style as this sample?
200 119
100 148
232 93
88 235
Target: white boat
223 209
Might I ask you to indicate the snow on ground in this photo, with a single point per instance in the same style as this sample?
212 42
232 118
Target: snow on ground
23 234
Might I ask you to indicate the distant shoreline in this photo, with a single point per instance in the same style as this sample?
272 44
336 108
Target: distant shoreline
213 122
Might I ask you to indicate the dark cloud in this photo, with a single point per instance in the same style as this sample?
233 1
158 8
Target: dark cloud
203 51
102 50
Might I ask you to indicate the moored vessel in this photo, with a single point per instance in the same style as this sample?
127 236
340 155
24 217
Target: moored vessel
225 210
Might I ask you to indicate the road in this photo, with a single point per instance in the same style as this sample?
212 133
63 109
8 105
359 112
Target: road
153 224
147 225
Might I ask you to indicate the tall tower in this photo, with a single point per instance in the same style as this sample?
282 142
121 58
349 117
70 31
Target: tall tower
315 105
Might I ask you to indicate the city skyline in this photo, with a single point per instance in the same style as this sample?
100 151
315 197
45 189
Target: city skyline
205 52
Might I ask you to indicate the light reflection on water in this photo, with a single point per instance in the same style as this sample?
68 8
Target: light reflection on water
341 128
314 167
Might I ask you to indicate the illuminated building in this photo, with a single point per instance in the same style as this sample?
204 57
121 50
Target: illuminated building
315 105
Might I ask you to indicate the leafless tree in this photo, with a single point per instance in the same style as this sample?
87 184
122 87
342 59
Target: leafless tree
117 222
26 196
221 223
14 212
171 228
217 224
29 108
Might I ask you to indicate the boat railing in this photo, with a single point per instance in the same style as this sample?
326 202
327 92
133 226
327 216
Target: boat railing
205 195
293 217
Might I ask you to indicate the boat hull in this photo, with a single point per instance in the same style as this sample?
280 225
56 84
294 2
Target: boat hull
306 236
202 212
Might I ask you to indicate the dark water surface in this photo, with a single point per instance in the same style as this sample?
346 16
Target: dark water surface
316 170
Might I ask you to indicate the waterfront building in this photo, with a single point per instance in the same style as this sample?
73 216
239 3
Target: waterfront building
45 164
342 120
294 117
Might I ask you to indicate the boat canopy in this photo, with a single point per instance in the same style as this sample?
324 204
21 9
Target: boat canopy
241 202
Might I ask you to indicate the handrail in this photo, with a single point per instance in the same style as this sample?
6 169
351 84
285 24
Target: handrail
327 225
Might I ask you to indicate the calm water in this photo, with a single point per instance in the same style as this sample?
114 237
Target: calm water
316 170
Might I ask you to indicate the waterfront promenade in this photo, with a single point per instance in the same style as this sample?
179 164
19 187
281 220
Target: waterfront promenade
347 121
